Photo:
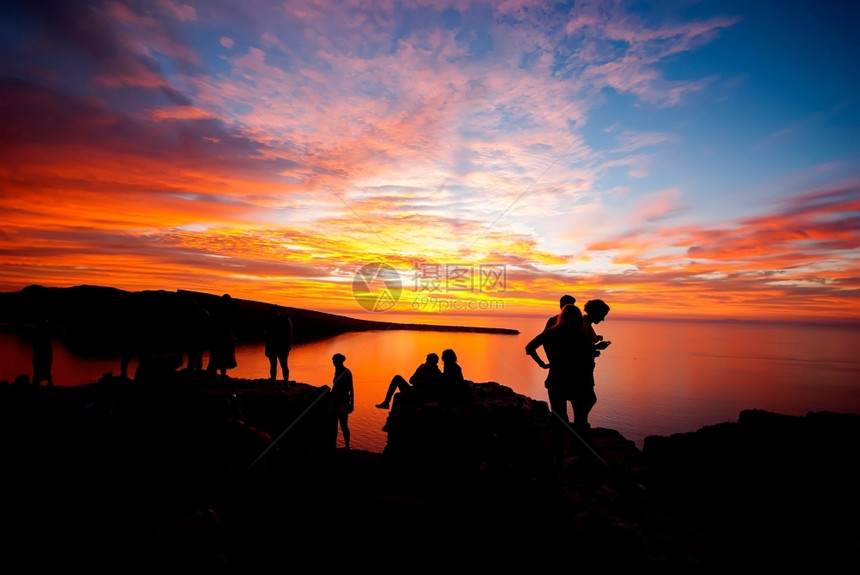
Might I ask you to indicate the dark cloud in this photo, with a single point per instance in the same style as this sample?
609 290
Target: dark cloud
40 122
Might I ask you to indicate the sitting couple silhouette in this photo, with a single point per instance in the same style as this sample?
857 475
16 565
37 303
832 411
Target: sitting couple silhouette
428 381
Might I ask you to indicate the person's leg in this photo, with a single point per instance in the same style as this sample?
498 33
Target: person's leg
344 427
589 399
285 367
397 382
334 421
273 368
583 399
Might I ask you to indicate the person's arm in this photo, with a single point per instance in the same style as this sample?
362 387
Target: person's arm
531 350
418 375
596 340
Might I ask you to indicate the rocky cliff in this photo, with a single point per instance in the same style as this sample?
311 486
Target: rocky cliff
223 474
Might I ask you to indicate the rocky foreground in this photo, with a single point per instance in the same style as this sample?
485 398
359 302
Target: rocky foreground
192 472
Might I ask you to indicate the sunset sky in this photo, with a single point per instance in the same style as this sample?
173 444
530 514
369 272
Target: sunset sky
677 158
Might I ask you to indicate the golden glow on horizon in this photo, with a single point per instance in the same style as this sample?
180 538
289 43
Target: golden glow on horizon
215 167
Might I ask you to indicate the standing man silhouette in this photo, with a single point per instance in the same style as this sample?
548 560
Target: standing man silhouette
584 398
279 340
569 359
343 397
563 301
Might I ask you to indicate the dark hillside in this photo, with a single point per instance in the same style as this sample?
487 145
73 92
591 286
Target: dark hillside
96 320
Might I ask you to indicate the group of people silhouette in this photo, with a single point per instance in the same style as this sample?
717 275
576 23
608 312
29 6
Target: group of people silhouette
428 382
568 339
204 331
571 346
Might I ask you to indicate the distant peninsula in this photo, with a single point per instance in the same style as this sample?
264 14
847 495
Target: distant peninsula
88 318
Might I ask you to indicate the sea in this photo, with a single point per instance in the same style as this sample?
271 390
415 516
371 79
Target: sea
658 377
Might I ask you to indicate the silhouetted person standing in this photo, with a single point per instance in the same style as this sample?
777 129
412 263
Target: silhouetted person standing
43 353
563 301
222 355
569 361
424 381
279 340
584 399
342 396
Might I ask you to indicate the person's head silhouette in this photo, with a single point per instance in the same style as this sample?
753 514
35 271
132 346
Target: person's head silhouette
448 356
570 315
566 299
432 359
596 309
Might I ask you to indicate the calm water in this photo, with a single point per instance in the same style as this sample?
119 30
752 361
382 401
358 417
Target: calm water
657 377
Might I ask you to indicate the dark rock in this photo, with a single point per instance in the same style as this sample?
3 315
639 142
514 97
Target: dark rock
204 472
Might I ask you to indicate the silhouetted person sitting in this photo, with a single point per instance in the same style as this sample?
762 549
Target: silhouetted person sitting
563 301
424 381
453 384
450 368
279 340
43 353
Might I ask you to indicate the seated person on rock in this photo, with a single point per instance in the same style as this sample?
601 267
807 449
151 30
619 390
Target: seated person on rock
424 381
454 386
